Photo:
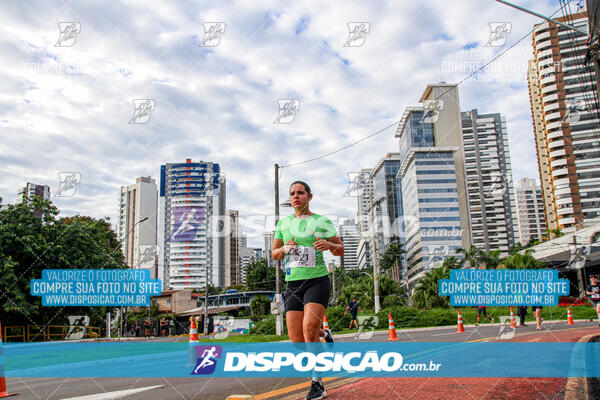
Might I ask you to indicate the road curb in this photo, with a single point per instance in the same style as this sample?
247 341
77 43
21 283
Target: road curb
577 388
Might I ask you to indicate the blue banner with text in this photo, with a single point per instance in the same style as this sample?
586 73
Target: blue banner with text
95 287
214 359
503 287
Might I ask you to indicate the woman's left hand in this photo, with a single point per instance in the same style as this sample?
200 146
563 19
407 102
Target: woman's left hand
322 244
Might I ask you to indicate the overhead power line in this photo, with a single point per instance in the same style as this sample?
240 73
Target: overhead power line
398 121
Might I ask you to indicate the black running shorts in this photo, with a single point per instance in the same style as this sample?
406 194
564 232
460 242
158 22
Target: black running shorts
481 311
301 292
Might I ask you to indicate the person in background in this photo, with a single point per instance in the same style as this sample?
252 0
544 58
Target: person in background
522 312
354 308
147 326
593 290
163 326
537 311
481 310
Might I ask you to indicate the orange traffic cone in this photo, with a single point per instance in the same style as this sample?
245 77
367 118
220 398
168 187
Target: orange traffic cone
193 332
3 392
569 317
513 322
460 328
192 356
325 326
392 329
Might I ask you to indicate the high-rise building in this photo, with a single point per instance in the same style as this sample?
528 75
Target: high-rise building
435 211
350 237
268 236
363 253
30 190
541 146
136 226
243 240
247 256
232 248
387 202
492 204
530 210
566 123
258 253
364 191
190 228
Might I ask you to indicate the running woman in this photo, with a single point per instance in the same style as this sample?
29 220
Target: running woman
481 310
300 239
593 290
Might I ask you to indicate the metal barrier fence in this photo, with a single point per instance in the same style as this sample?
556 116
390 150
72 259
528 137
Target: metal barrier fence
11 332
31 333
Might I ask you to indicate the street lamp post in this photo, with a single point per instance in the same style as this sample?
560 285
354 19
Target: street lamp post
374 257
121 308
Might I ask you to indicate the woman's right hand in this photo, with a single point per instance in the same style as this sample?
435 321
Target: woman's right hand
289 246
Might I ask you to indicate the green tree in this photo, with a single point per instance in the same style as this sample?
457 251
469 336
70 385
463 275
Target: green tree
491 258
260 306
212 290
524 260
472 256
392 257
34 238
390 292
426 293
452 263
259 276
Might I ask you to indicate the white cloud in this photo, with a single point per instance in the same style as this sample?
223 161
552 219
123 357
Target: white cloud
68 108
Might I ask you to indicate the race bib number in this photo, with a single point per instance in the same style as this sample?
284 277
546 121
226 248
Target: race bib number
302 257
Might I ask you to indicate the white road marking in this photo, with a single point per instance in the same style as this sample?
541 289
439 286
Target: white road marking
119 394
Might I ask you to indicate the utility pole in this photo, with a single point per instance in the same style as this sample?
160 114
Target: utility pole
205 330
374 258
120 310
278 300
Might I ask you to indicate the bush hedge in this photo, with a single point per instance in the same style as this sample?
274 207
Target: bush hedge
407 317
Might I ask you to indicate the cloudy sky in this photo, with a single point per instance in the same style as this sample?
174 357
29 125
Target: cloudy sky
67 101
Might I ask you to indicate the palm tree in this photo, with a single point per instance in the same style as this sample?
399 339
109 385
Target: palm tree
426 293
522 261
552 234
472 256
491 259
391 257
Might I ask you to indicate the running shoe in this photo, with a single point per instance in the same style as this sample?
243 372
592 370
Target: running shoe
317 391
492 321
327 336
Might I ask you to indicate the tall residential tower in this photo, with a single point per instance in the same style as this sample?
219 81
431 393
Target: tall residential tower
191 227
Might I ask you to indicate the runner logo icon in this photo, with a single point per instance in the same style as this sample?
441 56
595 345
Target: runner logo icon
207 359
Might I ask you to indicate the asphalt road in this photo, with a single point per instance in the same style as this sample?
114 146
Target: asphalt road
260 388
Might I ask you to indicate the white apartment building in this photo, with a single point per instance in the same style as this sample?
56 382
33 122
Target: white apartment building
136 225
191 227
